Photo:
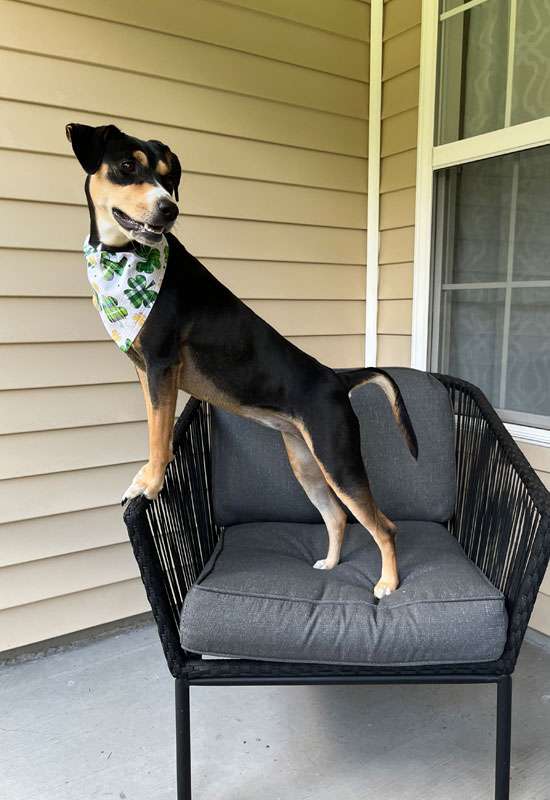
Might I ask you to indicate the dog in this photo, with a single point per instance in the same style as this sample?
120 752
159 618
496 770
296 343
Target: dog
198 336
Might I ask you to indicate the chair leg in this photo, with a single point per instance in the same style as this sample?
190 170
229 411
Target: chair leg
183 740
504 734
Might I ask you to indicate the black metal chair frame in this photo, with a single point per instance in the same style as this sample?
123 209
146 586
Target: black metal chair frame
502 521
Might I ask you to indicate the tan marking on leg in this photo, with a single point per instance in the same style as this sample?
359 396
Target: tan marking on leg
150 478
310 477
375 521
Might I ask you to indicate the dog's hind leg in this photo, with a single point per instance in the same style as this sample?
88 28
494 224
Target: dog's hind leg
310 477
332 435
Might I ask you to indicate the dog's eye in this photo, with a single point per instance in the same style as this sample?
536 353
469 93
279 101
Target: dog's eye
128 166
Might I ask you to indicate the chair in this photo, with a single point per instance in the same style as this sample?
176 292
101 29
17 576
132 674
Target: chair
225 554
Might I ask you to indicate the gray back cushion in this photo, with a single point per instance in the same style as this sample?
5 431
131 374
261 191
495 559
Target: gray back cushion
252 480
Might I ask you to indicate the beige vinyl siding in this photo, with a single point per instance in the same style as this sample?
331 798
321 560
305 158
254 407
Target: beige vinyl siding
266 104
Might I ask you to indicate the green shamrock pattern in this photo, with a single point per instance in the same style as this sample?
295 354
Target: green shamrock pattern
139 294
125 286
112 310
151 258
111 267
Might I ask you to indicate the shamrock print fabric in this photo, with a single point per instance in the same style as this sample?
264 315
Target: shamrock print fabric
125 286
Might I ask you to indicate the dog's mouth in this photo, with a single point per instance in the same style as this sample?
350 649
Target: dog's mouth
139 229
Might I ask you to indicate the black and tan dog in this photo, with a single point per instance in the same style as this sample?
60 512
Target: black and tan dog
201 338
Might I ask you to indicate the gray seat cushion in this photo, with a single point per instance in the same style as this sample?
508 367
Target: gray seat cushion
260 598
252 480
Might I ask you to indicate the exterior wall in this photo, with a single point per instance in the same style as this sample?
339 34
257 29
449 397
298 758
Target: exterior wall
266 104
400 73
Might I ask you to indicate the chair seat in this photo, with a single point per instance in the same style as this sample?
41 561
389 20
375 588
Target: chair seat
260 598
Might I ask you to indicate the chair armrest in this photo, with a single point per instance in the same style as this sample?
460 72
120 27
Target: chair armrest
502 515
174 536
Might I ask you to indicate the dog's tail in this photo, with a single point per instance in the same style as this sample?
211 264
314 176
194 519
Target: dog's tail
358 377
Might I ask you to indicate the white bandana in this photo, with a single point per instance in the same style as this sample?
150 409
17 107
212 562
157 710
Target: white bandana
125 286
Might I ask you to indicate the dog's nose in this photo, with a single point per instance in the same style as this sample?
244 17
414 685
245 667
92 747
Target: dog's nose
167 209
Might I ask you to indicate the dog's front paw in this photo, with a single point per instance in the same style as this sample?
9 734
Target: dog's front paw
148 482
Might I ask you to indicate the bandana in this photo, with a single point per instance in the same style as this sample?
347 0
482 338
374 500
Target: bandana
125 285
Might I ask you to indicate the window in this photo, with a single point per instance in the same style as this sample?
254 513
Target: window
486 186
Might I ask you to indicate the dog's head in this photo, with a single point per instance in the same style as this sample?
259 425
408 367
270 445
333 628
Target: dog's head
129 184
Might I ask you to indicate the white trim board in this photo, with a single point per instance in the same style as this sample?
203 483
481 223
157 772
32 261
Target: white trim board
522 433
506 140
424 186
373 189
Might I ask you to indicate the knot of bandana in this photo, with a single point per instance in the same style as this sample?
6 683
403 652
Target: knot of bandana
125 285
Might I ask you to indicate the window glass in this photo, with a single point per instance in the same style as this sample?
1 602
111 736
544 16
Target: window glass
472 72
491 321
531 83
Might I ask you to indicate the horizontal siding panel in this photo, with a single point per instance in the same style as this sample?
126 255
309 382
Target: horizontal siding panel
396 282
41 79
56 227
400 93
400 15
312 317
394 351
46 537
208 153
54 408
401 53
40 319
396 246
30 366
32 29
27 176
46 452
395 317
233 27
399 133
70 407
397 209
42 495
347 18
398 171
334 351
290 281
37 622
75 572
540 619
44 273
67 574
35 273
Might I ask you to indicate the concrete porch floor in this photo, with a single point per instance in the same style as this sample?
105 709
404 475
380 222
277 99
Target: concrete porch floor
96 721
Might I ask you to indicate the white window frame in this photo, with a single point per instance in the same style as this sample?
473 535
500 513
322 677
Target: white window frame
430 158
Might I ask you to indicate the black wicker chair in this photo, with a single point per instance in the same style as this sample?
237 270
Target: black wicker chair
501 520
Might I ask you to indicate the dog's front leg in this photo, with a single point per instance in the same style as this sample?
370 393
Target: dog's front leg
160 400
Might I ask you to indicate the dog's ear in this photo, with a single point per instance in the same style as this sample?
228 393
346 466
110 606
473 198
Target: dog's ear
89 143
175 173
